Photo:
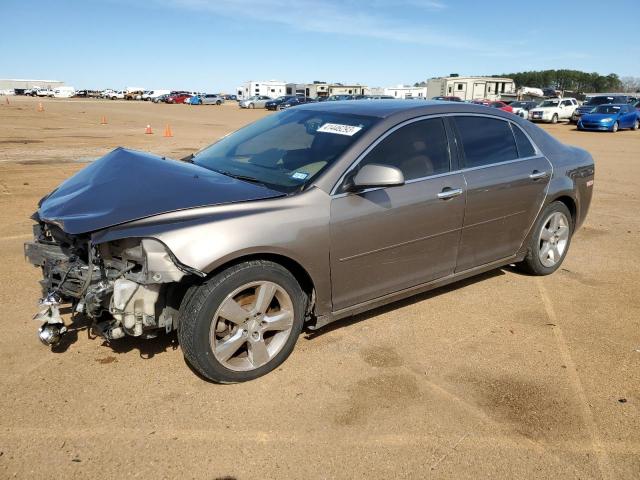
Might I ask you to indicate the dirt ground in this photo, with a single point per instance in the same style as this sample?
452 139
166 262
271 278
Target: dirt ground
501 376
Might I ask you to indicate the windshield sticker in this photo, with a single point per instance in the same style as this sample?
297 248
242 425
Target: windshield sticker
299 175
348 130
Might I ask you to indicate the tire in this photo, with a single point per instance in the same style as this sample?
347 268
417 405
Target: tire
237 289
636 124
537 262
251 105
218 102
615 127
554 119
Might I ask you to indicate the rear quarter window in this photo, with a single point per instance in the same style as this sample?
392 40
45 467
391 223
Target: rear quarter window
485 141
525 148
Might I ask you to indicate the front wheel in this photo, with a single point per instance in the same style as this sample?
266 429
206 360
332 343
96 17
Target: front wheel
615 127
243 322
251 105
218 102
550 240
554 119
636 124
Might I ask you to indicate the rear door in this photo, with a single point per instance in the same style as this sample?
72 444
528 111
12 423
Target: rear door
388 239
506 181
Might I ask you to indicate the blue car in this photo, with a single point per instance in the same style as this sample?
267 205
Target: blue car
610 118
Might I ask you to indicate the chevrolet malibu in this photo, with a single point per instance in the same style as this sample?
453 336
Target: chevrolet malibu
302 218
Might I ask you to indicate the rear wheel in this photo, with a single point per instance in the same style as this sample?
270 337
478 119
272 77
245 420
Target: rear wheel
550 240
218 102
243 322
615 127
251 105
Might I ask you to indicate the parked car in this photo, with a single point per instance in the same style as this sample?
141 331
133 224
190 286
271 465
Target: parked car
179 97
44 92
133 95
296 101
161 98
522 108
276 102
257 101
206 99
553 110
231 97
119 95
32 92
375 97
339 98
448 99
501 106
594 101
262 234
610 118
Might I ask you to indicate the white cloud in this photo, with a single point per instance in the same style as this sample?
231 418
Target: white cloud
376 19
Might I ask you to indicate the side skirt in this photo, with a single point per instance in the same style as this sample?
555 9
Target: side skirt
323 320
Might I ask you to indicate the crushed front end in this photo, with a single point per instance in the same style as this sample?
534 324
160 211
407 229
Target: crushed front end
125 287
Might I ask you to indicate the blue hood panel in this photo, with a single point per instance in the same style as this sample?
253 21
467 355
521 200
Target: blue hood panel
127 185
597 117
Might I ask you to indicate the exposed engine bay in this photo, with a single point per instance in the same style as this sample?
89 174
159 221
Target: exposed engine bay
125 287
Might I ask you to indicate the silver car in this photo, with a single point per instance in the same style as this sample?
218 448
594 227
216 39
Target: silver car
307 216
257 101
206 99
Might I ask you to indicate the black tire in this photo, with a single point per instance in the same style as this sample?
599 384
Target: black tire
201 302
615 127
532 263
554 119
218 102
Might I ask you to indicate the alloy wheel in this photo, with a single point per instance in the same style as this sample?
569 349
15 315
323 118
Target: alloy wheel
553 239
251 325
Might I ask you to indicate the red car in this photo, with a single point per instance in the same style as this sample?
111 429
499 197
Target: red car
494 104
501 106
178 97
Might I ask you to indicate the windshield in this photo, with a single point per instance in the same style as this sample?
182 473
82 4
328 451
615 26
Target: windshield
606 109
284 151
598 101
550 103
519 104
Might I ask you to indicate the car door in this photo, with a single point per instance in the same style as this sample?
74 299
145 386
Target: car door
385 240
506 178
627 116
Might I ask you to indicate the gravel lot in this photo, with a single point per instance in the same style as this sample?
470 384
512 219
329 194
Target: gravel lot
500 376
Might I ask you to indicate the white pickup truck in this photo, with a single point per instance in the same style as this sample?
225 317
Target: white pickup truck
553 110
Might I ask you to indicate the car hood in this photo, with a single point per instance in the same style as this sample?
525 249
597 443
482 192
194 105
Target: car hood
127 185
596 117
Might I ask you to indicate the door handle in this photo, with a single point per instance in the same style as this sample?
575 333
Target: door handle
536 175
449 193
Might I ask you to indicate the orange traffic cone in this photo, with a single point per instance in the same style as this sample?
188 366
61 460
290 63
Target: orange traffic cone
103 120
167 131
148 130
40 107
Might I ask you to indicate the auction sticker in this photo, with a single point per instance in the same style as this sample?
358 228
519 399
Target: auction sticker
340 129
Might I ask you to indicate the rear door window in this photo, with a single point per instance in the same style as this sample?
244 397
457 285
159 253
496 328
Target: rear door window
419 150
485 141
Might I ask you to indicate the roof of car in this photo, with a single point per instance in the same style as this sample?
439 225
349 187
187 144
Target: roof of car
386 108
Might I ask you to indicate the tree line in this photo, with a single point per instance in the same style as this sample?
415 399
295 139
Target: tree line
573 80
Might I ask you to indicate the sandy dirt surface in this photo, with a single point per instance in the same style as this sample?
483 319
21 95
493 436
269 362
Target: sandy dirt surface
500 376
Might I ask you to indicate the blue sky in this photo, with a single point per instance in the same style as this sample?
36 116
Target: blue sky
215 45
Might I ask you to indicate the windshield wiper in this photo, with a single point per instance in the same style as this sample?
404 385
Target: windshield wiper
244 178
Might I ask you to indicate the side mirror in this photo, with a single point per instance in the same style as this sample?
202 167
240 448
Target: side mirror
373 175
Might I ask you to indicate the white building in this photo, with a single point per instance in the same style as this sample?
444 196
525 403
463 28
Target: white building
269 88
406 91
471 88
347 89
